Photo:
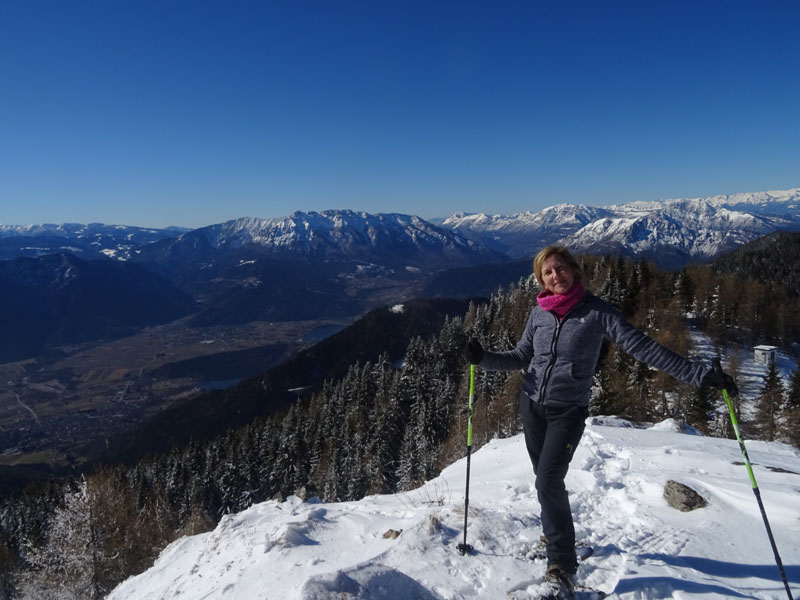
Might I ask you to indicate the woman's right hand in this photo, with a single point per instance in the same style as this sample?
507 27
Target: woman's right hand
473 352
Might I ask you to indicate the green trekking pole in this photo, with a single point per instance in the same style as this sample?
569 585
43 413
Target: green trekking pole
465 548
717 366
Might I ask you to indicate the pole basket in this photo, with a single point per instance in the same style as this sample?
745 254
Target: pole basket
465 549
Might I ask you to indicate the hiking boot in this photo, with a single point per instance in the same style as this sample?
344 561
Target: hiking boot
563 580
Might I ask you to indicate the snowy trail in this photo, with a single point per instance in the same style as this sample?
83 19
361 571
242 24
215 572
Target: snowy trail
643 548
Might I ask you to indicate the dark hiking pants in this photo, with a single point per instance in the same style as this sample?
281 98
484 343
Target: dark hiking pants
551 436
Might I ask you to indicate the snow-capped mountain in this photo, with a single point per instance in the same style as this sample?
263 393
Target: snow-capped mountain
404 545
337 234
672 231
523 234
337 262
86 241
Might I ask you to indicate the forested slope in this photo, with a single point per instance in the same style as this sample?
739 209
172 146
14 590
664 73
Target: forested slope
773 259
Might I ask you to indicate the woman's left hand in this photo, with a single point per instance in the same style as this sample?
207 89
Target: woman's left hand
721 381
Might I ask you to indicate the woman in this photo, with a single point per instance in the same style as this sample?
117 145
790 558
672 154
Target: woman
558 351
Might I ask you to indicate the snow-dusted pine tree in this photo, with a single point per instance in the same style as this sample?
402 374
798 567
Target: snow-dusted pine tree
65 566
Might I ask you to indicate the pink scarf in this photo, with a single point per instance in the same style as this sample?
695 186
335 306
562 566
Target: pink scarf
560 304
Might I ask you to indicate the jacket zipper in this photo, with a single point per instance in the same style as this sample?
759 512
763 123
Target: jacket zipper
553 345
552 363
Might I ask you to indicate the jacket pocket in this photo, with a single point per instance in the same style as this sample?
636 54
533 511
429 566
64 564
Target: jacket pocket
582 370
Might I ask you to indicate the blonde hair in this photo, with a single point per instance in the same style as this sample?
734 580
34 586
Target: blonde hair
565 255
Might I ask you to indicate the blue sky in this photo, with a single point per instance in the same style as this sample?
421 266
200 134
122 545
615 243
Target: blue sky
193 113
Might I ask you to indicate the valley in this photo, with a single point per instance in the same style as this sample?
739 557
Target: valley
56 408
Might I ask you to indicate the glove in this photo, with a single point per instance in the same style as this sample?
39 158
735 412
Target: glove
473 352
720 380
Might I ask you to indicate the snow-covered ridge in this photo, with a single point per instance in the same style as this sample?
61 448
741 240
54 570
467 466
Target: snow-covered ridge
311 231
690 229
81 230
89 241
643 548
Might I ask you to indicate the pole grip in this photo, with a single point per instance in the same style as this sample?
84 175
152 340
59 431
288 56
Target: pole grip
470 406
716 364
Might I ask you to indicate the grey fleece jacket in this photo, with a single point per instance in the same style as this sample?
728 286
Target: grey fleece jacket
559 358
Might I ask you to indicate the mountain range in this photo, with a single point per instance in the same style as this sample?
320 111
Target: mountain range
670 232
697 229
341 263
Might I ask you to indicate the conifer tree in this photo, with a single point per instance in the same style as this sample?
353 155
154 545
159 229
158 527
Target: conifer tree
791 411
643 274
629 302
8 565
408 474
769 404
698 408
613 288
684 290
382 455
288 461
603 399
641 405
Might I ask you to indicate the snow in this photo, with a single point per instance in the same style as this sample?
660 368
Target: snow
643 548
698 227
397 308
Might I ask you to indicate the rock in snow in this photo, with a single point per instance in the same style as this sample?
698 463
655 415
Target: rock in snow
682 497
643 549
